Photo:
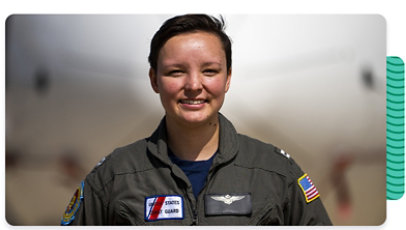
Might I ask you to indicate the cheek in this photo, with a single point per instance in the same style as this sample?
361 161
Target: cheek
217 86
168 87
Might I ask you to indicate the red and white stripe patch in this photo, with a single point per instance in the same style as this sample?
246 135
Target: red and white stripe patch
163 207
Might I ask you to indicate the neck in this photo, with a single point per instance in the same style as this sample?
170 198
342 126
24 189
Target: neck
193 143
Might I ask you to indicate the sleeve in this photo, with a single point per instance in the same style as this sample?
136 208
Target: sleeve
85 208
304 203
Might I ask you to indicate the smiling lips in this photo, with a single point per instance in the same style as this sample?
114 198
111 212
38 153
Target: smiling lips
192 102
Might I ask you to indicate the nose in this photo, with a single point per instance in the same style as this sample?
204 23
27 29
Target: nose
193 82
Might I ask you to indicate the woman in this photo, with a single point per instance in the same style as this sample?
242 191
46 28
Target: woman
195 169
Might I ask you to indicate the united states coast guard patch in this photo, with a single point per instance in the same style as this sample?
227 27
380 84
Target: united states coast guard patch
309 190
73 205
168 207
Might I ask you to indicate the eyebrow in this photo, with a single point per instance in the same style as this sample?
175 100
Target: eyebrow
178 65
181 65
211 63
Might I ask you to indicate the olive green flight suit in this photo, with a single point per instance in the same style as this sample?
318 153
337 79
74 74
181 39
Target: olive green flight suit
249 183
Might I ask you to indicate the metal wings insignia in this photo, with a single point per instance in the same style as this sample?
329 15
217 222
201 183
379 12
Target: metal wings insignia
227 199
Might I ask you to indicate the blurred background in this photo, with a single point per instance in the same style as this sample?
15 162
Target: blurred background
77 87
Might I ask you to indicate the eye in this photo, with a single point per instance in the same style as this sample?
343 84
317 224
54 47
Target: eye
175 72
210 72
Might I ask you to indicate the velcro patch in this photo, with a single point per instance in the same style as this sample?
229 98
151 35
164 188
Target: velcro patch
166 207
309 190
227 204
73 205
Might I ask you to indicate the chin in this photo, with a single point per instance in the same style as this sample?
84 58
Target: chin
199 118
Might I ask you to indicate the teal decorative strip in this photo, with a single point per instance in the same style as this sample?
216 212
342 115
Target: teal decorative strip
395 94
396 177
396 84
395 135
395 161
395 155
396 102
395 139
395 169
392 193
396 117
398 109
394 71
393 132
393 129
393 123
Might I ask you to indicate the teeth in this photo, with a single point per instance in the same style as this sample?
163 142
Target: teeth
192 102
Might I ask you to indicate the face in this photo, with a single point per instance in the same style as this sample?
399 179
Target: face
191 78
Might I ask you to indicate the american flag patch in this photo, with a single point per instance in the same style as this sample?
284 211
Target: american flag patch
309 190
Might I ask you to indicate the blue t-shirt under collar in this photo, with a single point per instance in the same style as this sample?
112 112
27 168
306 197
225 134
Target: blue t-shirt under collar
196 171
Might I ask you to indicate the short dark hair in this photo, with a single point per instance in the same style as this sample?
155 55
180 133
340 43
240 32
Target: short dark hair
186 24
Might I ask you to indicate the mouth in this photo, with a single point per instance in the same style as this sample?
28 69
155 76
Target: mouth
192 101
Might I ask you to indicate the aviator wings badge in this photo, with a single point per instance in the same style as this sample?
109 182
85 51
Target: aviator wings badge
227 199
226 204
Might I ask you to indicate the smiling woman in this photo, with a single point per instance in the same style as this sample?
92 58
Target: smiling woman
192 80
195 169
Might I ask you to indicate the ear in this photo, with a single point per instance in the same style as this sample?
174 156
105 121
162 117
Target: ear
228 80
153 80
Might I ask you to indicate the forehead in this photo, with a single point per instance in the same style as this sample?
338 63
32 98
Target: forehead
192 45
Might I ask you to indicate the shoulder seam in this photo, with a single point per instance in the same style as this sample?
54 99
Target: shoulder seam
260 168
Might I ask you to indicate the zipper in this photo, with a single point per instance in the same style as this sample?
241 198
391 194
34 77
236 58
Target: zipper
195 220
186 195
193 205
196 208
195 217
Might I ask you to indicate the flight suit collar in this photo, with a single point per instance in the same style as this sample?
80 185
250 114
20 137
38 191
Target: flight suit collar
157 143
228 144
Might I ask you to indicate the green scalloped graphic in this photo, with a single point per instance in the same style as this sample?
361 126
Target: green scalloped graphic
395 133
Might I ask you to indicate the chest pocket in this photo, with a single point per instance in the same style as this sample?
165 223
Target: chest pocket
269 214
126 215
